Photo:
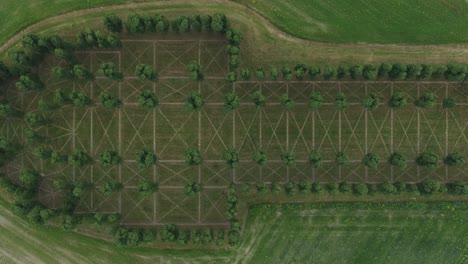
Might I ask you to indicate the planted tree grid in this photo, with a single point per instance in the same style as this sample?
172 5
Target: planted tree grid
170 130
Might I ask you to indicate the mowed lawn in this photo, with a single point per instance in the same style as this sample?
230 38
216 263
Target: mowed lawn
355 233
370 21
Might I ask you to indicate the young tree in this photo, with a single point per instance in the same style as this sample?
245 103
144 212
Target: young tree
341 158
428 159
113 41
286 102
384 69
388 188
109 100
287 74
290 188
360 189
66 55
110 157
455 159
192 189
305 186
232 158
289 159
315 159
371 102
274 73
449 103
32 137
195 71
206 21
6 110
110 71
146 158
428 100
398 100
426 71
113 23
259 99
194 102
79 158
413 71
31 42
315 101
369 72
231 102
35 120
398 71
196 22
61 73
231 77
181 24
341 103
261 187
29 180
234 37
57 157
162 24
148 99
314 72
60 98
398 159
5 73
245 74
355 71
371 160
430 186
146 73
79 99
300 71
42 152
456 72
219 23
260 73
260 157
135 23
345 187
439 72
329 72
8 150
147 188
169 233
341 71
19 57
109 187
193 157
80 72
29 82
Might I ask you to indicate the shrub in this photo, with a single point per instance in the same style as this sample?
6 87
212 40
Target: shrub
300 71
79 99
275 188
232 158
314 71
316 187
148 99
315 159
413 71
145 73
329 72
398 71
290 188
341 71
398 100
428 159
259 99
245 74
146 158
370 102
305 186
458 188
426 71
333 187
233 237
341 103
231 77
261 187
287 74
455 159
135 23
398 159
259 73
194 102
428 100
169 232
341 158
345 187
274 73
193 157
288 159
456 72
355 71
110 71
315 101
286 102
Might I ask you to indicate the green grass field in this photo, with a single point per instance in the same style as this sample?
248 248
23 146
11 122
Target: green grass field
344 21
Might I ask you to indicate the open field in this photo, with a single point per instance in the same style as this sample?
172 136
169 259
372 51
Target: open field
394 21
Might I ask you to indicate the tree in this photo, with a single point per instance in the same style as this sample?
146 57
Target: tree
196 22
32 137
110 157
314 71
430 186
31 41
345 187
192 189
195 71
232 158
370 72
341 103
333 187
290 188
109 187
35 120
398 159
355 71
206 21
57 157
305 186
61 73
194 102
113 23
341 158
231 102
371 160
428 160
245 74
456 72
135 23
439 72
19 57
458 188
148 99
384 69
360 189
79 158
287 74
260 73
398 100
29 82
315 158
8 150
426 71
110 71
328 72
80 72
60 98
146 158
413 71
51 42
316 187
261 187
455 159
231 77
286 102
259 99
65 55
79 99
146 73
398 71
109 100
274 73
388 188
5 73
449 103
29 180
219 23
371 102
193 157
315 101
42 152
234 37
288 159
300 71
427 100
6 110
162 24
275 188
341 71
260 157
113 41
147 188
181 24
169 233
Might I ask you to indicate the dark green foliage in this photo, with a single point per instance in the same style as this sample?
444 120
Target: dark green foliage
456 72
135 23
274 73
413 71
234 37
57 157
341 71
314 72
196 22
261 187
316 187
360 188
80 72
110 157
113 41
300 71
113 23
426 71
329 72
388 188
147 188
398 71
147 235
183 238
458 188
245 74
5 73
369 72
195 71
29 82
35 120
398 159
439 72
148 99
234 237
345 187
315 159
69 222
258 99
288 159
79 99
341 158
60 98
315 101
65 55
455 159
8 150
61 73
31 136
287 74
51 42
219 23
126 237
427 100
44 106
341 103
206 21
31 41
286 102
110 71
246 188
60 184
355 71
19 57
7 110
42 152
428 159
192 189
304 186
371 160
398 100
371 102
231 102
231 156
384 69
79 158
449 103
333 187
275 188
146 73
231 77
193 157
430 186
89 39
290 188
400 186
169 233
109 100
146 158
260 73
181 24
260 157
110 186
194 102
29 180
